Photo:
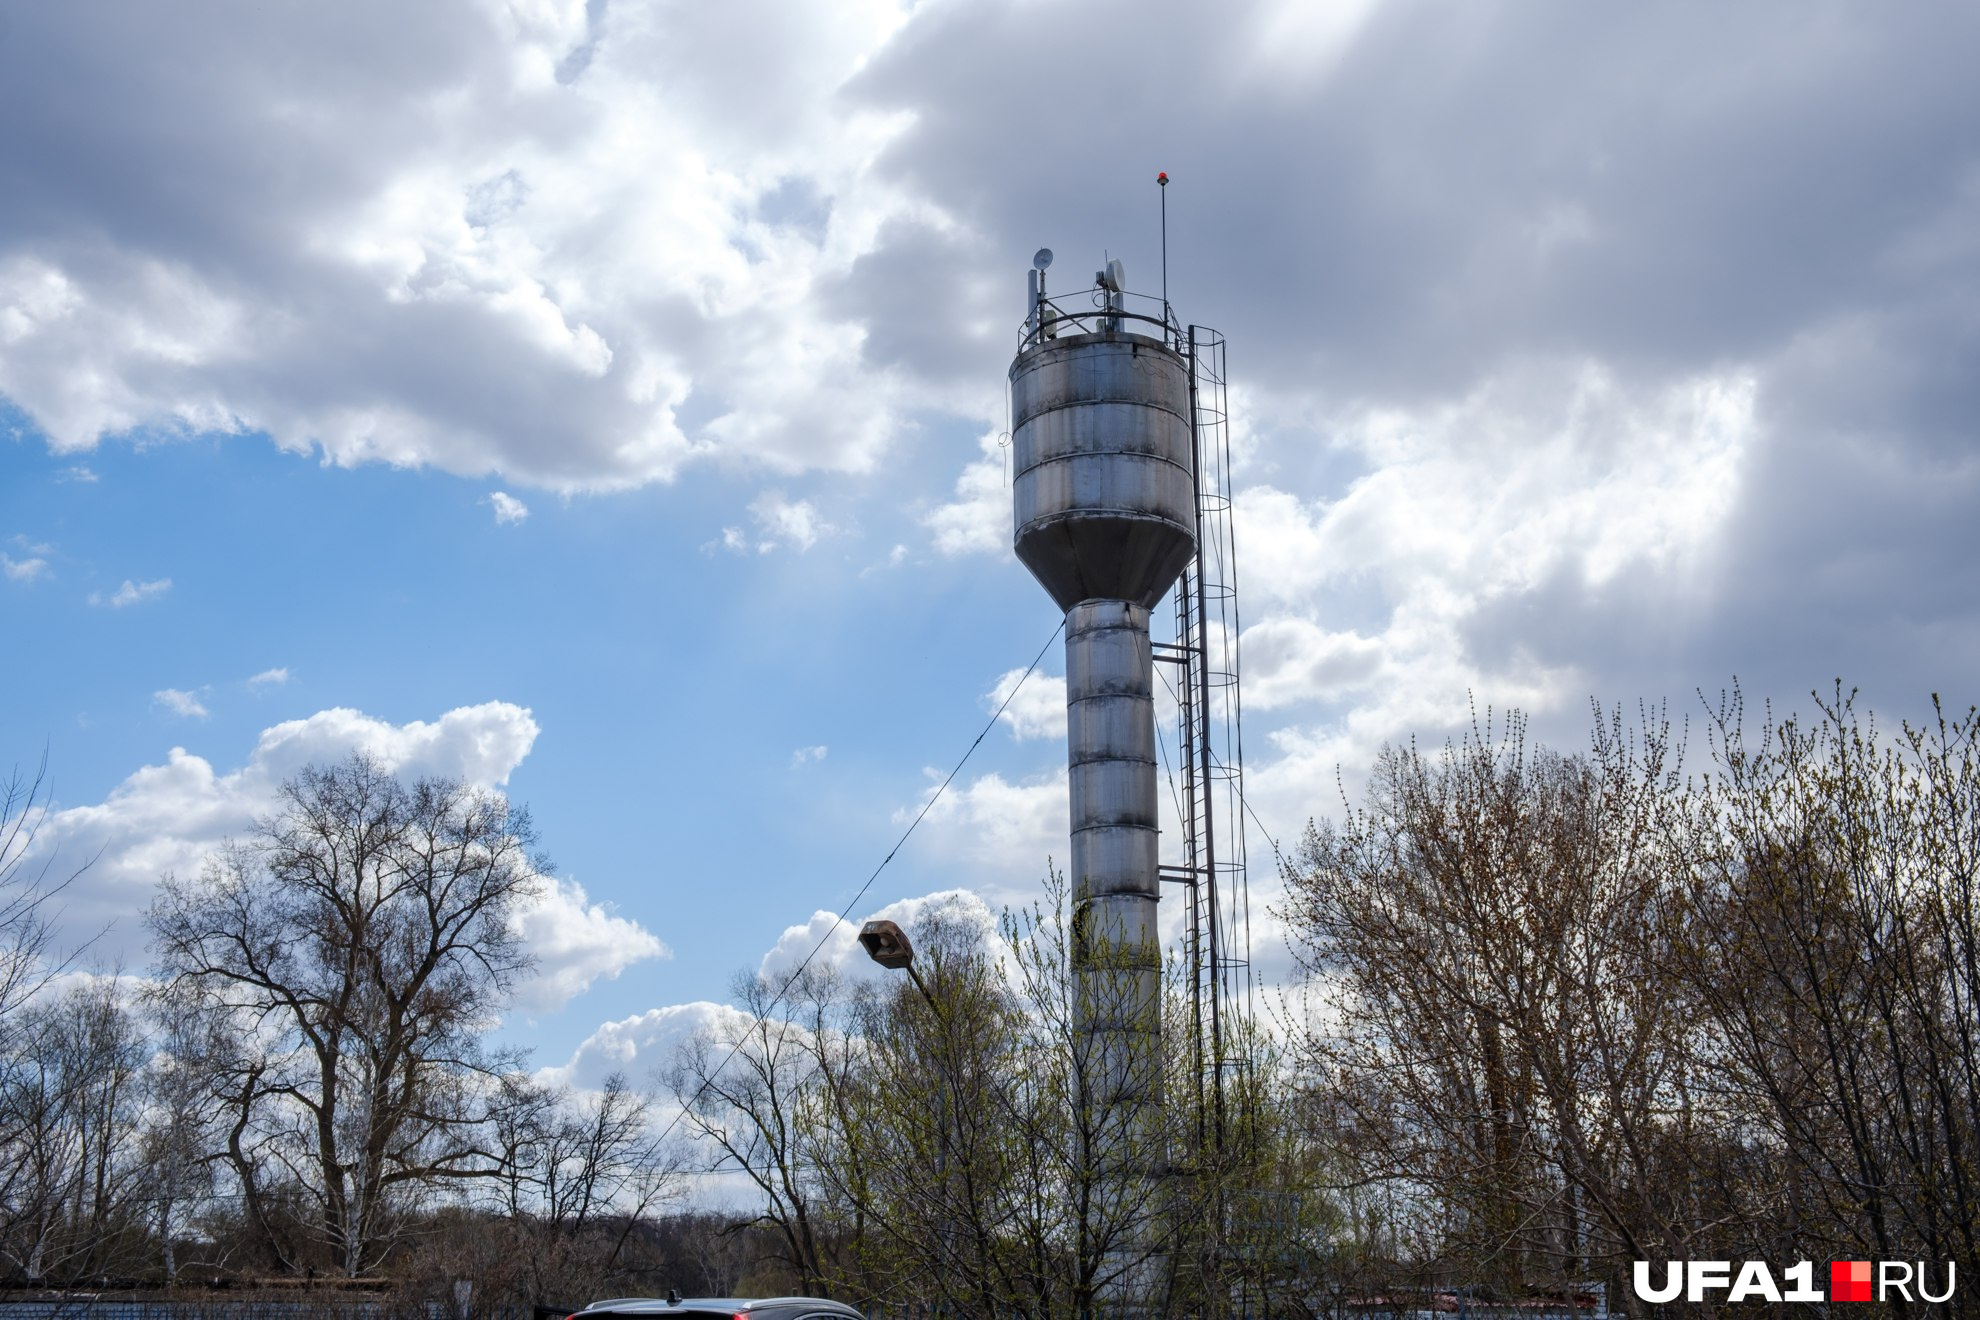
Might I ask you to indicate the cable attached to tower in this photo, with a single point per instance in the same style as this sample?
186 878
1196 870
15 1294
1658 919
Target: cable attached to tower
840 919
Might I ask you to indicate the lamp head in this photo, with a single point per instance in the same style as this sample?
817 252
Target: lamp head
887 944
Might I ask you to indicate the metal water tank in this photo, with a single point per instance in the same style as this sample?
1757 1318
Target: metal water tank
1104 499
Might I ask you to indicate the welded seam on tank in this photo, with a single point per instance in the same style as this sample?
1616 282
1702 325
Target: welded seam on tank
1046 409
1092 511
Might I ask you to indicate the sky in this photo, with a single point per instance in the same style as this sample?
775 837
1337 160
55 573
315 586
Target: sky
601 402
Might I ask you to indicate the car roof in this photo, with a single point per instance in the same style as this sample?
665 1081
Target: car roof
660 1306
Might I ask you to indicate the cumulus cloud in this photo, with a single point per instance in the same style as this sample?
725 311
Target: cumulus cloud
1037 709
825 942
1555 485
270 678
508 509
978 519
479 744
997 832
180 702
780 522
639 1044
23 570
130 593
577 942
169 817
537 233
807 755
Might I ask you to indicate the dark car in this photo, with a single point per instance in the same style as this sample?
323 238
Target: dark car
718 1308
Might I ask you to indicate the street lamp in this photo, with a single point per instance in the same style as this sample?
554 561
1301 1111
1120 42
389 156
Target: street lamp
887 944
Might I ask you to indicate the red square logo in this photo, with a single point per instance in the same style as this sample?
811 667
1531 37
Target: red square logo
1849 1280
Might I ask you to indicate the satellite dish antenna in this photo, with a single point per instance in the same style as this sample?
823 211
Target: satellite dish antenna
1116 276
1041 258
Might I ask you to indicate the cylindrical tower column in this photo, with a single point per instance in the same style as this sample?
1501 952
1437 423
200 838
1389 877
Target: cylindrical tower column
1110 755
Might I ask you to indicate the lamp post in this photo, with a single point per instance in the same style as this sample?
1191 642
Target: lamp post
887 944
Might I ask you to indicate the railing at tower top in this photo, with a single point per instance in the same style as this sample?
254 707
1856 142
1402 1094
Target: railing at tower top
1094 310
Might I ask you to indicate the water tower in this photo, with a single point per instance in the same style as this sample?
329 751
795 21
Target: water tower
1105 500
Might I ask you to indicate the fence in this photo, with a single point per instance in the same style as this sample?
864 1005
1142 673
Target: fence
331 1307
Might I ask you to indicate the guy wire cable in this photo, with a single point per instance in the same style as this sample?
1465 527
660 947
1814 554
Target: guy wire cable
840 919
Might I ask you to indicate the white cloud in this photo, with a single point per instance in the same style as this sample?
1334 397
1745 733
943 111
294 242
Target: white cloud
270 678
978 520
480 744
1387 601
180 703
538 231
793 524
1289 660
805 755
577 942
23 570
824 939
79 473
508 509
168 817
640 1044
131 593
997 832
1035 710
830 943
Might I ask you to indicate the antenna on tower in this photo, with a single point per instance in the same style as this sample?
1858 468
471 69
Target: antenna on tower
1162 183
1034 318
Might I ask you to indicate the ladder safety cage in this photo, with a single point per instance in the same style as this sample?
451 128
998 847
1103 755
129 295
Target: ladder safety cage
1210 738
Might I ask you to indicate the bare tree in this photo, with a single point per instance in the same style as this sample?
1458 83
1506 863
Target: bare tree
347 958
1575 1012
750 1095
29 887
71 1199
25 928
177 1142
579 1174
1098 1210
1838 955
1504 1041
